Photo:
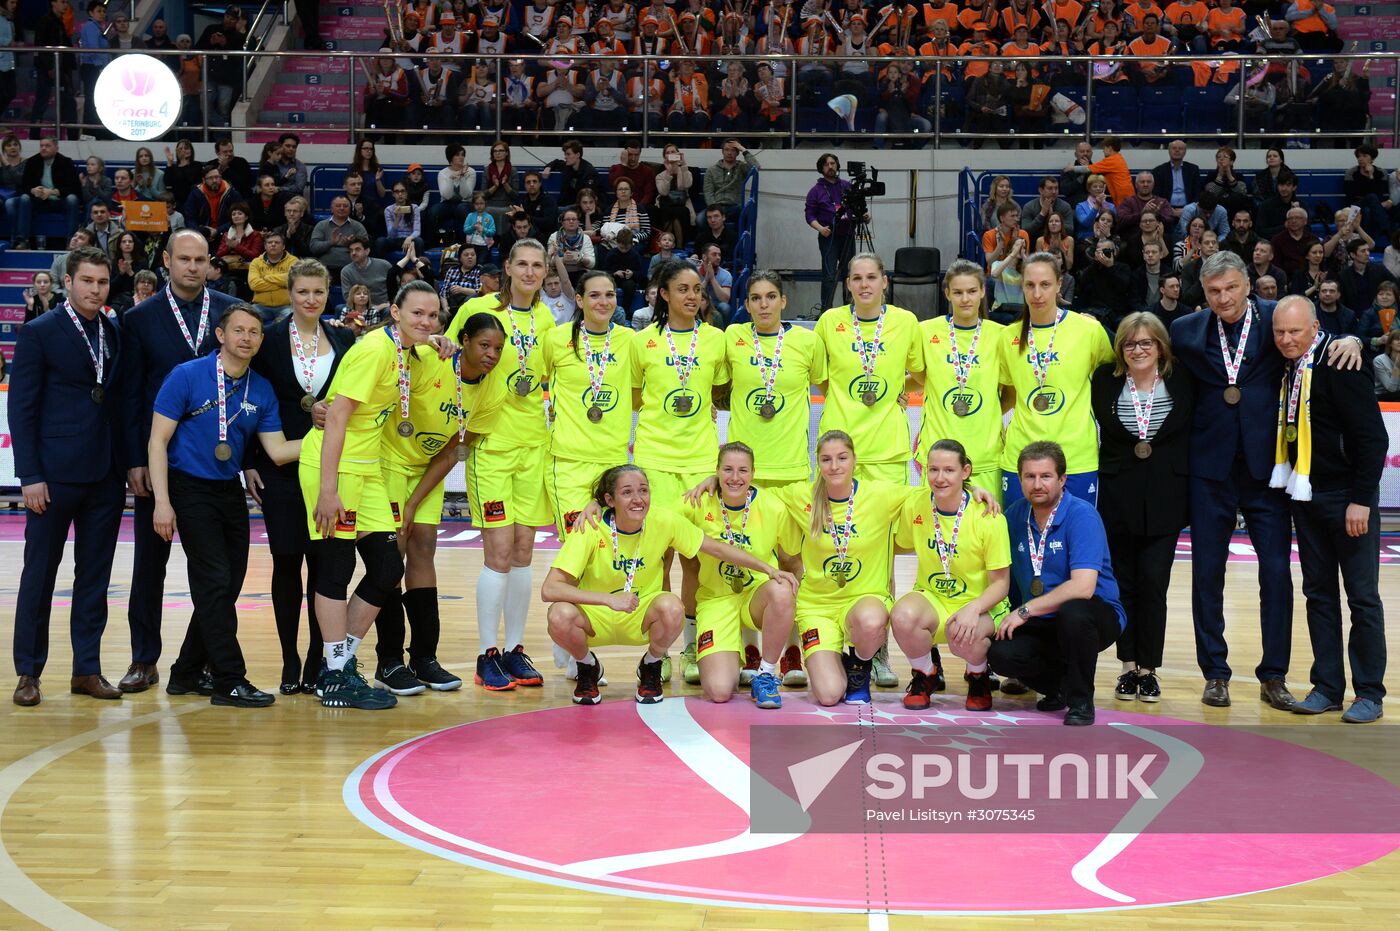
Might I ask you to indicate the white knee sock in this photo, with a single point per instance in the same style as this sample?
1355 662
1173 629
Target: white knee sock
490 597
975 668
923 664
518 592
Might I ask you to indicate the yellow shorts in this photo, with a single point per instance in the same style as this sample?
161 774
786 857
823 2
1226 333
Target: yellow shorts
946 609
989 480
400 486
364 499
613 628
821 628
718 620
569 483
896 473
505 487
668 488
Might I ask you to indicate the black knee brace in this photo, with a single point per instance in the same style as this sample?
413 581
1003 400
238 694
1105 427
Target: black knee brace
335 565
383 567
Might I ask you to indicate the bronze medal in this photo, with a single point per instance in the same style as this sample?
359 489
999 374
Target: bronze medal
99 394
308 401
767 410
405 429
1290 433
682 405
522 385
961 407
461 452
1041 403
1037 586
1143 450
841 581
868 398
223 452
595 414
736 585
1232 395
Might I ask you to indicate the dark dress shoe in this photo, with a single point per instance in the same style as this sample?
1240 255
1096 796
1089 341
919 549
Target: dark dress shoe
242 695
1217 693
94 686
289 688
139 677
1276 694
1048 703
1011 686
27 692
1080 715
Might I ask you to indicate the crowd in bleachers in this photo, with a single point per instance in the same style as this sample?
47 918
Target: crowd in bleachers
1136 242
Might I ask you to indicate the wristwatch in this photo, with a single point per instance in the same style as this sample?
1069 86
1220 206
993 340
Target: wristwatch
1024 613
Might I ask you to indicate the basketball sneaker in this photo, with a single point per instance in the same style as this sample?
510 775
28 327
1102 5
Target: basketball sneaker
690 666
489 673
648 682
431 674
1127 687
764 691
919 695
517 665
586 686
790 668
571 671
750 668
346 688
940 682
979 692
857 679
398 680
884 676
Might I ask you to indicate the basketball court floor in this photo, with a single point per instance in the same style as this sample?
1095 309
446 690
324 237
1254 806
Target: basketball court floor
519 810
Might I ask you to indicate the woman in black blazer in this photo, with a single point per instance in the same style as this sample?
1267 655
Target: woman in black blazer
299 356
1143 406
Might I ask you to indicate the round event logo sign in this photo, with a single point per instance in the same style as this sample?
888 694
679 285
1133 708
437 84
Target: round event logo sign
137 97
670 802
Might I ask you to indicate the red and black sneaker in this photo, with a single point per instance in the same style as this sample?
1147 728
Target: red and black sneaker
979 692
749 669
586 686
919 695
939 681
648 682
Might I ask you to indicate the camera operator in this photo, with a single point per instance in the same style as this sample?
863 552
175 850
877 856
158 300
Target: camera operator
1104 285
835 208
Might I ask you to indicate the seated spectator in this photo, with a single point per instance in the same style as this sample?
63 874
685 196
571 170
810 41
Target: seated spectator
561 94
1261 265
436 88
267 206
690 100
1308 279
479 228
1147 277
1347 223
557 293
1102 230
364 269
988 103
770 92
1169 307
899 104
357 313
366 208
1271 215
1225 27
499 183
1206 206
1186 23
1071 181
461 280
95 183
1036 212
1365 186
295 229
104 227
1358 278
1335 317
81 237
292 176
1314 25
1379 320
572 244
128 258
735 99
643 315
238 245
991 207
330 239
641 176
182 173
541 208
1055 240
1130 211
1113 167
1095 202
233 168
403 224
578 173
455 185
1391 256
627 211
1266 179
1004 264
624 261
410 267
144 285
123 190
1189 248
673 210
207 208
1105 286
40 297
1387 367
1148 44
715 231
718 282
1227 186
590 214
520 228
1192 294
216 280
1242 238
267 277
1343 101
1295 242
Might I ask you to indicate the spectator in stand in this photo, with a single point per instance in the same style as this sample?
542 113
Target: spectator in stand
1271 215
558 294
364 269
991 207
40 297
561 94
520 228
1242 238
1113 167
1307 280
1105 286
899 105
1343 101
499 184
330 239
719 283
49 183
81 237
640 176
571 244
146 177
1391 256
1192 294
207 207
1096 201
1209 209
1225 27
605 96
104 227
93 35
1190 247
1314 25
182 172
625 263
267 277
577 173
479 228
1380 318
11 179
295 229
999 242
1086 245
1147 276
690 100
520 109
1359 278
51 30
292 174
266 207
357 313
1266 291
410 267
1169 306
718 233
123 190
1387 367
1335 317
734 99
1055 239
627 211
365 208
158 39
590 214
95 183
1186 24
1035 213
455 184
402 224
771 94
233 168
1150 43
672 210
128 258
987 101
1365 185
1266 179
366 162
539 206
1071 181
460 281
1144 199
1176 179
1261 264
239 245
1347 222
386 93
1227 186
1293 246
225 72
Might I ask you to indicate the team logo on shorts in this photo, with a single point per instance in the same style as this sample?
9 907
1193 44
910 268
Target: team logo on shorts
811 638
394 508
605 398
969 396
571 518
707 640
493 511
682 402
346 524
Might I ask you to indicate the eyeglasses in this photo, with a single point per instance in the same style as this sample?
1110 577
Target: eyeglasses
1139 345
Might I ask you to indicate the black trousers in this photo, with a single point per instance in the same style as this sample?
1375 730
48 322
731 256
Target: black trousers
149 558
1058 655
94 511
1143 567
1325 550
212 517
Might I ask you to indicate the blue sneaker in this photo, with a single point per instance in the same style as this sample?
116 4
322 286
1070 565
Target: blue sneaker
1316 703
764 690
1362 711
490 674
517 665
857 679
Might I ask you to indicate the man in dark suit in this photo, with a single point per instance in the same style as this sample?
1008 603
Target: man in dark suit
1232 457
68 459
1336 443
49 183
173 326
1177 179
1359 276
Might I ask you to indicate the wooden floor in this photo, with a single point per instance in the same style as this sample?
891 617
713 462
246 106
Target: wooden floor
158 812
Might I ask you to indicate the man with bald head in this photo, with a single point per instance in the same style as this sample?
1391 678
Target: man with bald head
1176 179
1331 446
1292 244
1144 198
174 325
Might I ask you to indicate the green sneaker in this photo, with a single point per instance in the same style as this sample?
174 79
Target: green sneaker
691 666
882 674
346 688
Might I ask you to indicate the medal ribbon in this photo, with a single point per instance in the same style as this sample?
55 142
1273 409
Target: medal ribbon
193 342
960 371
743 520
945 550
1037 552
99 357
1296 391
519 341
868 359
1143 411
461 415
630 573
403 372
308 369
597 373
1232 365
224 419
769 373
683 371
841 540
1042 371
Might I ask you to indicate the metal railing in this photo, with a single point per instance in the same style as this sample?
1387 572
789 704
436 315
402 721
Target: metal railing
652 118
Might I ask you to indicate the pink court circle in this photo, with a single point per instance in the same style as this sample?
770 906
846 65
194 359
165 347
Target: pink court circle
653 802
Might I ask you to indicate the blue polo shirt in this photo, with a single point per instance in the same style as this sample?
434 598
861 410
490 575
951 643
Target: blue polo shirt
1077 541
188 396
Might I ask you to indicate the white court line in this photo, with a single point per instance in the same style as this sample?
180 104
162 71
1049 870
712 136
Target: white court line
16 888
879 921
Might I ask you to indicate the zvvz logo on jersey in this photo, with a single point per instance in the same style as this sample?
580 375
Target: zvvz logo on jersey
605 398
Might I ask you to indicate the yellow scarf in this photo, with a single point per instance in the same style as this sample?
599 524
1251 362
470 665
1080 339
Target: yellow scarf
1295 478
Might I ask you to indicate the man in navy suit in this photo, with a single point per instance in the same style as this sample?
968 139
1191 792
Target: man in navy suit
1176 179
171 327
1231 458
68 458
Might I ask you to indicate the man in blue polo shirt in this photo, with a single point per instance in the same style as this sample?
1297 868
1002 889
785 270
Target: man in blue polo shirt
206 413
1061 575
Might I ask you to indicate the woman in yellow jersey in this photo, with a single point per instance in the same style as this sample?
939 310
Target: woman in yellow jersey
962 377
604 587
506 471
679 363
964 575
347 503
847 556
730 598
1047 360
451 404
